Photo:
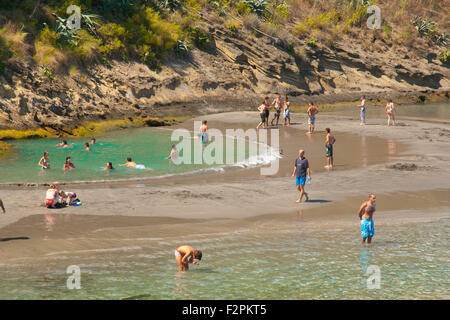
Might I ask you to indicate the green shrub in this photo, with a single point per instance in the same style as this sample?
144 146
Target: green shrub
198 36
444 56
312 42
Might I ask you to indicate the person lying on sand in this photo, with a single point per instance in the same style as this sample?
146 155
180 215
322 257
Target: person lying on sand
129 163
185 255
3 207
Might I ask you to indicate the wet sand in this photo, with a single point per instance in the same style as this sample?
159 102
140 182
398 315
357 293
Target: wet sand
371 158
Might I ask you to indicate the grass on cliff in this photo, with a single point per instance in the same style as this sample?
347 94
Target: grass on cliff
152 31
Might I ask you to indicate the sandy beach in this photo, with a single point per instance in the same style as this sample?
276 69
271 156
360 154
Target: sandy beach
201 199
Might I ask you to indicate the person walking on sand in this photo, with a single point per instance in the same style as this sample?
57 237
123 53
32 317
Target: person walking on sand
277 105
390 113
329 141
287 111
262 114
44 163
363 110
312 111
365 214
2 207
185 255
301 172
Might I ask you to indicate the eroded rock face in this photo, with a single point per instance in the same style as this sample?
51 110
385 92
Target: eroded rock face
234 73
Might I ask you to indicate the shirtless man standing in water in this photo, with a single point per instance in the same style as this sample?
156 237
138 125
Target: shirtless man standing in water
185 255
365 214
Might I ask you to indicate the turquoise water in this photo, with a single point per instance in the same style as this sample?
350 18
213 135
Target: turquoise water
147 146
296 263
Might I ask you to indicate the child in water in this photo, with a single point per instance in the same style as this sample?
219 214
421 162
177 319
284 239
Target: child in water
88 148
44 163
68 165
109 166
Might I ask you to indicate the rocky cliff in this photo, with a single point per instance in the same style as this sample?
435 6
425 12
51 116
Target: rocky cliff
234 72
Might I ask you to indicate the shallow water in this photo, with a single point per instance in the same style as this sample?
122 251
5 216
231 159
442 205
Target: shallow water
146 146
432 111
269 260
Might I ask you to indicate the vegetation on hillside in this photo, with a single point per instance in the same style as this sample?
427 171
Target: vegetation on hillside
36 31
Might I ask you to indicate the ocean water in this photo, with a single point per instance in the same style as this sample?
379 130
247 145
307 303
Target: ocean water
270 260
146 146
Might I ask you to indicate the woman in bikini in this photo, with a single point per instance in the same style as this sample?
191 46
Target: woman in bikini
44 163
390 113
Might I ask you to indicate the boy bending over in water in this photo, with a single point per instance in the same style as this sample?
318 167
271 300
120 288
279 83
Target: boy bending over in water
185 255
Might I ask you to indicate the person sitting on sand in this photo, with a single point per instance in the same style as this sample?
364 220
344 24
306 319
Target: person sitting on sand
68 165
329 141
88 148
109 166
173 154
312 111
185 255
129 163
44 163
2 207
390 113
52 197
277 105
365 214
287 112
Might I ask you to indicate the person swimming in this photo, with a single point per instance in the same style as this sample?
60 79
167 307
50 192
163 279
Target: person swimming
64 144
93 141
109 166
68 165
88 148
185 255
129 163
44 163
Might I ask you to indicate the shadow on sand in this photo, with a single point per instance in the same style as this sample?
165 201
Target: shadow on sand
15 238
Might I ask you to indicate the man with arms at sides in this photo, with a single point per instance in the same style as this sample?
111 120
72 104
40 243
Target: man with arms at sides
301 171
365 214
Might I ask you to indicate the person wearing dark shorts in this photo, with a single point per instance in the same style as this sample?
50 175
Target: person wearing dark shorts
267 110
330 140
301 172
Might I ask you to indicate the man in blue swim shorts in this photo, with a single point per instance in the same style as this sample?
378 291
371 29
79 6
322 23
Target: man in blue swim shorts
301 172
365 214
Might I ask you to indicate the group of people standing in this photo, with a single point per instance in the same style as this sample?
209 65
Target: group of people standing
278 104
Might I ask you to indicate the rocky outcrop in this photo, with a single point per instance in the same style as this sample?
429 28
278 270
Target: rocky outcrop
234 73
